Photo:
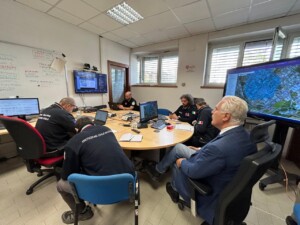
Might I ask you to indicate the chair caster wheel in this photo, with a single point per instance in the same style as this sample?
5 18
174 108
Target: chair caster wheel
29 191
180 205
262 186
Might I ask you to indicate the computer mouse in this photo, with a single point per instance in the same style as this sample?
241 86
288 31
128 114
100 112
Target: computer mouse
156 130
167 123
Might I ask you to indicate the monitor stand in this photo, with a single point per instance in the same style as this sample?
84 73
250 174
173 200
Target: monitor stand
142 125
278 175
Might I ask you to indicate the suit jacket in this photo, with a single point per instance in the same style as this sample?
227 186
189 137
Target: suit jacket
215 164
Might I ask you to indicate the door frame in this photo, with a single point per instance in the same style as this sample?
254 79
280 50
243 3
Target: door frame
127 84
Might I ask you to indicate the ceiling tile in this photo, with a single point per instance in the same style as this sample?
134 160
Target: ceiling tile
140 41
296 7
128 44
156 36
51 2
178 3
125 33
105 22
60 14
36 4
231 19
200 26
78 9
254 2
177 32
112 37
162 21
103 5
148 8
220 7
193 12
92 28
270 9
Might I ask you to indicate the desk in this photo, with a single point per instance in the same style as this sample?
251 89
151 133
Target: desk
151 140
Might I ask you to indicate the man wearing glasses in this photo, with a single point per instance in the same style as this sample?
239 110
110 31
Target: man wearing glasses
57 125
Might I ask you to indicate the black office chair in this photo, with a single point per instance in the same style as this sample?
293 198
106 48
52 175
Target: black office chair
32 148
235 200
260 133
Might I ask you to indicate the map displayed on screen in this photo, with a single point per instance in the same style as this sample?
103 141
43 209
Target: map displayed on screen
268 90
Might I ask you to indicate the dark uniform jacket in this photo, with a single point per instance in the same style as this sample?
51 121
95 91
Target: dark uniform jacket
56 125
203 130
95 151
130 102
187 114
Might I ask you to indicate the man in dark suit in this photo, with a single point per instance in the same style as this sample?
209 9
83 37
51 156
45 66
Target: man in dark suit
216 163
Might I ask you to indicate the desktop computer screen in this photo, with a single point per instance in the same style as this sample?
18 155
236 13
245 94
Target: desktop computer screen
19 107
89 82
148 111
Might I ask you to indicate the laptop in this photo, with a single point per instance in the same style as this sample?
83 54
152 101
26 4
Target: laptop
100 117
113 105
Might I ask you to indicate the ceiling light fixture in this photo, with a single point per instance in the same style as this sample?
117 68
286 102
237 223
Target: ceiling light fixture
124 14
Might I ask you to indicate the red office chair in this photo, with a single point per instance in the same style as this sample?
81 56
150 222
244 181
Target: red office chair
32 148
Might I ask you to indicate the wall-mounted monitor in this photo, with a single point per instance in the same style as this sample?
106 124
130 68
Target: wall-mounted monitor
20 107
272 90
148 111
89 82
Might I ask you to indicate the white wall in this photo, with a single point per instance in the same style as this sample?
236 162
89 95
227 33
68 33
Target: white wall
22 25
192 51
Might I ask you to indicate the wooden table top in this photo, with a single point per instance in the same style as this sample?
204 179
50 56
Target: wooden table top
151 140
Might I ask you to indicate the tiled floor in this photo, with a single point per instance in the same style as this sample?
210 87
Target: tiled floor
45 206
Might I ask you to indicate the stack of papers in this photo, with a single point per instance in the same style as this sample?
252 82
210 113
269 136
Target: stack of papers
131 137
184 127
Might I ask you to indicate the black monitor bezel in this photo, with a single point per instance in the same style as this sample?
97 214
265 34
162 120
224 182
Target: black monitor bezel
22 115
153 117
290 122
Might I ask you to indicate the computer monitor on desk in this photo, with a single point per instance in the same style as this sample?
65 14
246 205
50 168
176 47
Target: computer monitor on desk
148 111
20 107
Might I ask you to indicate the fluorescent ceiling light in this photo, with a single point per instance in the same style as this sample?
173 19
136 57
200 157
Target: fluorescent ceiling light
124 14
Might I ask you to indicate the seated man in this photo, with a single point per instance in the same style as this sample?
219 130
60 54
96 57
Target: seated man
56 124
93 151
129 103
204 132
187 112
216 163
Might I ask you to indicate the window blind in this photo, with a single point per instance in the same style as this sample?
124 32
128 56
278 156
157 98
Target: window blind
257 52
295 48
150 70
222 59
169 65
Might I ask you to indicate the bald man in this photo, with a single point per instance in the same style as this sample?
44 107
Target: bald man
56 124
129 103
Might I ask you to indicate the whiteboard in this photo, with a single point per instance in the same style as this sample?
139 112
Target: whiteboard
26 72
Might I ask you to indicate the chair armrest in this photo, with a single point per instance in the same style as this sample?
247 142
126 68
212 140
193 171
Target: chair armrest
202 189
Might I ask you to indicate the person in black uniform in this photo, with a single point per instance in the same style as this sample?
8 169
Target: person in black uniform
57 125
128 103
187 112
204 132
93 151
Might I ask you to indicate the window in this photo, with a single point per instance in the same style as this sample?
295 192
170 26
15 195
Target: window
160 69
222 58
295 48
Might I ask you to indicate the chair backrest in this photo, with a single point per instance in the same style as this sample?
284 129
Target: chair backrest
234 201
104 189
30 143
165 112
260 133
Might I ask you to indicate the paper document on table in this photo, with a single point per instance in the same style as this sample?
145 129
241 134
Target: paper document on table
131 137
184 127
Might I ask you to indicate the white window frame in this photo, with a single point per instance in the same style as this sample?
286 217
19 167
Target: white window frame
141 58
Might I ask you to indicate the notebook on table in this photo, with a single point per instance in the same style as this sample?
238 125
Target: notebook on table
100 117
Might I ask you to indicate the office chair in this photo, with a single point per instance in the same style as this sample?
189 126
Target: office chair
165 112
235 200
105 190
32 148
260 133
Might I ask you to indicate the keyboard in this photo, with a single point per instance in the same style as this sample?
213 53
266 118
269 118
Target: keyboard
161 117
159 124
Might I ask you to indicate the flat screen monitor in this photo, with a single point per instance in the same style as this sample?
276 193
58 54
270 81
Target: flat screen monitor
148 111
272 90
89 82
20 107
